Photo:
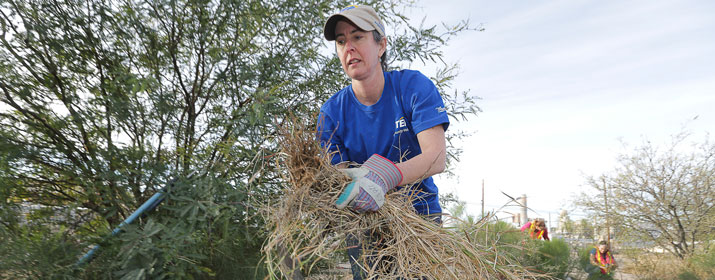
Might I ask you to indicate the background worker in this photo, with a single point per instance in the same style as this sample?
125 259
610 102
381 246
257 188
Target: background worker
536 229
391 122
601 257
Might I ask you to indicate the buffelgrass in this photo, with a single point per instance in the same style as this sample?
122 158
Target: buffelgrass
306 228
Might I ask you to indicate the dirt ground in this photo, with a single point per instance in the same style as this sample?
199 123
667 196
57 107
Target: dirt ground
342 272
345 275
622 262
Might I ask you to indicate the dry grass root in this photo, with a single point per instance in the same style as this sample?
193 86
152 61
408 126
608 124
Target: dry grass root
306 227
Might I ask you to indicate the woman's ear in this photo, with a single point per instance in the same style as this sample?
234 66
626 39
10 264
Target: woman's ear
383 47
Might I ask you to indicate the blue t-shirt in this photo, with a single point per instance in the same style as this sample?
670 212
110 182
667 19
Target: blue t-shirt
409 104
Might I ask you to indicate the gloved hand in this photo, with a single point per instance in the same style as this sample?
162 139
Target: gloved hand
371 182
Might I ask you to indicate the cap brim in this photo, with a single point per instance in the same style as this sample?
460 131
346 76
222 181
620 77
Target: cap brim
329 28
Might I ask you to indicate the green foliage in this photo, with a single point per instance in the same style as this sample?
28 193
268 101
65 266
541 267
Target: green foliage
36 252
687 275
500 232
703 264
555 258
102 104
192 235
552 258
583 255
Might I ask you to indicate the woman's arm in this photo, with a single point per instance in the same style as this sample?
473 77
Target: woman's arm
592 259
525 226
614 264
432 159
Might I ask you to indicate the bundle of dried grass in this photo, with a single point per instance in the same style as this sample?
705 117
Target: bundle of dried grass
307 227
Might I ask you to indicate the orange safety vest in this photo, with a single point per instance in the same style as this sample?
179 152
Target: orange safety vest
608 260
532 230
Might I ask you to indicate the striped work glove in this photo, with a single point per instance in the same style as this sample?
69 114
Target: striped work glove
371 182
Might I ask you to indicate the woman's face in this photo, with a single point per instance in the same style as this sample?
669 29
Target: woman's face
602 248
358 52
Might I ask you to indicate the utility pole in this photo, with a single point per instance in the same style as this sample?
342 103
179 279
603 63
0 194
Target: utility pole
605 202
482 198
524 217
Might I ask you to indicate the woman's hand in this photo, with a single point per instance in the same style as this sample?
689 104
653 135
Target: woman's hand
371 182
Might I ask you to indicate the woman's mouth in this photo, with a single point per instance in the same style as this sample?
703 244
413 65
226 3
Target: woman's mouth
353 61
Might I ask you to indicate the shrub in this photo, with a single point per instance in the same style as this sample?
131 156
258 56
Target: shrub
192 235
647 265
687 275
552 258
703 264
555 258
34 252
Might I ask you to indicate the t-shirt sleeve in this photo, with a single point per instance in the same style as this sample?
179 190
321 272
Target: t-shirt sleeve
525 226
425 103
329 139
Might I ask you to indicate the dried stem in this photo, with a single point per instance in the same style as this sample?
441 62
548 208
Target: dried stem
306 225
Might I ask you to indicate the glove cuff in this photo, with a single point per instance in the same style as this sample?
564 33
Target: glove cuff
384 168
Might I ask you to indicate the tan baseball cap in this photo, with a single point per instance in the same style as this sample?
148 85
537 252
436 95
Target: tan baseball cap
363 17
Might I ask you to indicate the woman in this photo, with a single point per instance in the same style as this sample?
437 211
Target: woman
537 229
392 123
602 258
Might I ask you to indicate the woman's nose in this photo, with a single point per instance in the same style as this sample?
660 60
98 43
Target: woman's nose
349 45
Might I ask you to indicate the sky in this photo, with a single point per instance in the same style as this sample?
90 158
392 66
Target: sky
564 83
